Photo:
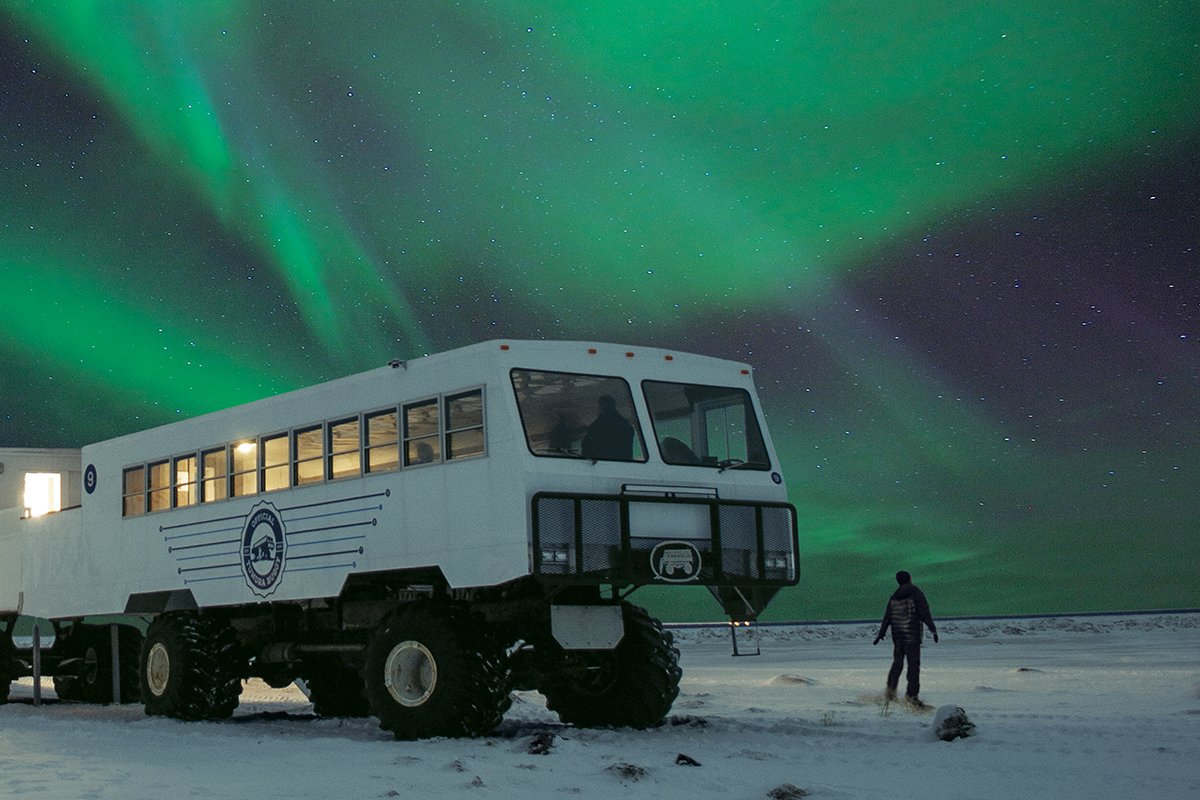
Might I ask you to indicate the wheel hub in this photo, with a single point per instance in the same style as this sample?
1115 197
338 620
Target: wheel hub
410 673
158 669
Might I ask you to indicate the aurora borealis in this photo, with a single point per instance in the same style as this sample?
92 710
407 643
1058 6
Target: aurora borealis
958 242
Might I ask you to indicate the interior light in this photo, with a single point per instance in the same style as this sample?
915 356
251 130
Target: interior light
43 493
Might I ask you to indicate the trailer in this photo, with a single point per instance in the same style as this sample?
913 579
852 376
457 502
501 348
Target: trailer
413 542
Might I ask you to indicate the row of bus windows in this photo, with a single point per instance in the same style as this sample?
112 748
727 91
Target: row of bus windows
423 432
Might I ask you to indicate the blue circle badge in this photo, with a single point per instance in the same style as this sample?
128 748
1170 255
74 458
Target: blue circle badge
264 549
89 478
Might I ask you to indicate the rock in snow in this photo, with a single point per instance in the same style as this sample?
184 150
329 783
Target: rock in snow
950 722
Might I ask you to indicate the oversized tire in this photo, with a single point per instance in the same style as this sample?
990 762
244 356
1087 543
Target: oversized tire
190 667
433 670
92 682
336 690
630 686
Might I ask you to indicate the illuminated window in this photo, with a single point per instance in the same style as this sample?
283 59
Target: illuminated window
43 493
383 441
464 424
344 444
160 486
134 492
275 462
216 470
422 442
185 481
310 455
245 468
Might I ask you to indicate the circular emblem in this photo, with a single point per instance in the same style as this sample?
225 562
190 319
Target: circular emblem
775 476
264 548
89 478
675 562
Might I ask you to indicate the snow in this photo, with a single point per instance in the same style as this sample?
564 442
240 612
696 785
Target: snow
1087 707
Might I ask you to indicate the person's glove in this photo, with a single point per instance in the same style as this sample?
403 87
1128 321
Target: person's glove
877 638
935 639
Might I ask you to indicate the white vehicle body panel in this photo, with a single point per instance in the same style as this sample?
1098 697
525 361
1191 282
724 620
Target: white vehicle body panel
470 518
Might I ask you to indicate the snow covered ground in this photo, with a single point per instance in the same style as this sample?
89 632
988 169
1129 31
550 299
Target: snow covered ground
1088 707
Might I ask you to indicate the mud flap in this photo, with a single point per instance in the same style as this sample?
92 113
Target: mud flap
587 627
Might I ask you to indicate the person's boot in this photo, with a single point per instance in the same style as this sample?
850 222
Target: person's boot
889 695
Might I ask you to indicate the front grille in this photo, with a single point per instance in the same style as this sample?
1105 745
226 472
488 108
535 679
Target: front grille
640 540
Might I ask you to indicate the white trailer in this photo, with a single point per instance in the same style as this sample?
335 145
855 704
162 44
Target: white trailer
416 540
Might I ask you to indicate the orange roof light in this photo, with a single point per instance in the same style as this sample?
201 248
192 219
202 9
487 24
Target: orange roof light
592 351
503 347
629 355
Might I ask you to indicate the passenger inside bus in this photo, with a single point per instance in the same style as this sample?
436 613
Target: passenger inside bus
610 436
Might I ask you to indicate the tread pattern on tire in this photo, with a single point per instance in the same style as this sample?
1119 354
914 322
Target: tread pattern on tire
642 680
204 679
472 691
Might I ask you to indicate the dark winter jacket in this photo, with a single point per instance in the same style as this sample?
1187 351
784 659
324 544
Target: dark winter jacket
906 611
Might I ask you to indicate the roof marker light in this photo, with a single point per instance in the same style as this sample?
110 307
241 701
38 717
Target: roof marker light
745 372
503 347
669 358
629 355
592 351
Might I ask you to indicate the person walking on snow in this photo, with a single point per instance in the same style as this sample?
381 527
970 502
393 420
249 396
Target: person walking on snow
907 610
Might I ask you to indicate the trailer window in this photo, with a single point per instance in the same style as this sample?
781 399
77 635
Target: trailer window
421 433
244 477
344 444
707 426
383 441
160 486
185 481
134 492
578 416
464 424
310 455
216 471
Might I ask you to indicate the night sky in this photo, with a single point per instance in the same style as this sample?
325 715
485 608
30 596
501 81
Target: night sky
958 243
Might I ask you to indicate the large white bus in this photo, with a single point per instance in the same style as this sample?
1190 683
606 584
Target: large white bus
413 541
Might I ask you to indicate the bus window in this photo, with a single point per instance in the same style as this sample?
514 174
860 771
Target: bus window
383 441
464 424
707 426
244 477
276 463
310 455
422 441
216 471
185 481
344 444
578 416
160 486
134 492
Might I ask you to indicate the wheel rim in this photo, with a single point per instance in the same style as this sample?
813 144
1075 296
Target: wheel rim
91 666
410 673
158 669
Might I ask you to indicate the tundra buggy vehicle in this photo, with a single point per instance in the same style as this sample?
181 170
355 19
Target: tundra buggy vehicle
414 542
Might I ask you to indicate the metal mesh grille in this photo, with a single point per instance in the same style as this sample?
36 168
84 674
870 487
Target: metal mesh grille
739 542
601 522
556 522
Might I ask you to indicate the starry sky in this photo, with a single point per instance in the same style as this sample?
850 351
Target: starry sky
958 242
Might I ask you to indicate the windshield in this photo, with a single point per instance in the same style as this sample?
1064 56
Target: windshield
578 416
706 426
